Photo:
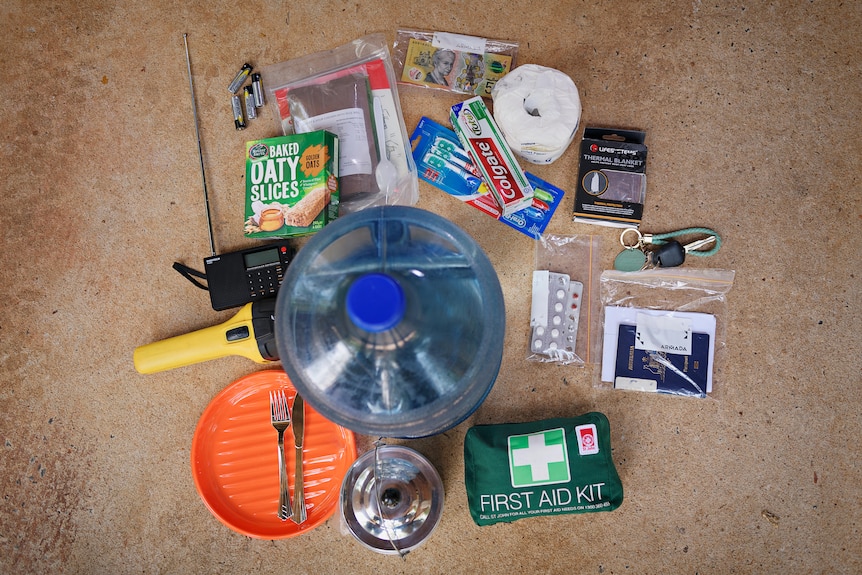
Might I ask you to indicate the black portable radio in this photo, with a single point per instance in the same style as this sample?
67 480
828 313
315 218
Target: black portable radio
237 278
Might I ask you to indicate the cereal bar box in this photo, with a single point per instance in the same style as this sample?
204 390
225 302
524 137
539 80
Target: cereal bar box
291 185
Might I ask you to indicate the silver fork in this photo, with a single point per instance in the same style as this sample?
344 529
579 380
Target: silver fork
281 421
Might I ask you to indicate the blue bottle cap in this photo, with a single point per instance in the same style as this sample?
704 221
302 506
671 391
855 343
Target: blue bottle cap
375 302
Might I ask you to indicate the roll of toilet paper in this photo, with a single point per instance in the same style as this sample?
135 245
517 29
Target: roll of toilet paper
538 110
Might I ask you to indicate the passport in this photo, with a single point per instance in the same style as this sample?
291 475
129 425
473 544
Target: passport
659 371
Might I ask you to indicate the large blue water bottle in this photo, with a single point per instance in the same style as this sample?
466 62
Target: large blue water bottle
390 322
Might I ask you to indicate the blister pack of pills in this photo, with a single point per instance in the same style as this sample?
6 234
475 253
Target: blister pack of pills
554 315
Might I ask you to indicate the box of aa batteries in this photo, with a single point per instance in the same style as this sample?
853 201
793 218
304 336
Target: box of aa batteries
611 188
291 185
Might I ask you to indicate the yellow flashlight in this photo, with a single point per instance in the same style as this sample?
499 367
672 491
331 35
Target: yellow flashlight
250 333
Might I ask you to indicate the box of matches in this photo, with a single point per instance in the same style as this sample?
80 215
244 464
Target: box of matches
291 185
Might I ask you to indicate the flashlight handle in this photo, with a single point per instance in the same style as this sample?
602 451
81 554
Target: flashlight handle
236 336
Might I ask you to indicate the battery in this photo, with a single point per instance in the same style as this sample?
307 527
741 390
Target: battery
238 120
250 110
239 80
258 90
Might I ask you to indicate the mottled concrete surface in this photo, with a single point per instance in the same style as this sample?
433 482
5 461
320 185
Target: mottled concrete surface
752 117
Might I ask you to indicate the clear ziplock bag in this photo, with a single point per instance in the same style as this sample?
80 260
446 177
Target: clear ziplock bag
349 91
452 62
565 306
664 330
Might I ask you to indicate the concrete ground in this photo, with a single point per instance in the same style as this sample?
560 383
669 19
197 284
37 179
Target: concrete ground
752 116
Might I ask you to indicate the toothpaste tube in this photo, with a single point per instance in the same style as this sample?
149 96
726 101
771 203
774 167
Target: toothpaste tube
481 137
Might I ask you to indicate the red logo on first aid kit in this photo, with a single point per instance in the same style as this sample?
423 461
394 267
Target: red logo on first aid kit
588 441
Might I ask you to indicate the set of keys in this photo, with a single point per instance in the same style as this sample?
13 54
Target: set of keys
661 250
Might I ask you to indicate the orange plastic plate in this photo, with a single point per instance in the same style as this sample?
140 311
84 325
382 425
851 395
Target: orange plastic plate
235 459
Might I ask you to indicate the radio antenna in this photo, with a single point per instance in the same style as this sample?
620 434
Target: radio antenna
200 151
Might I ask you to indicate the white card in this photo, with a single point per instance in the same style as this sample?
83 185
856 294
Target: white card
671 334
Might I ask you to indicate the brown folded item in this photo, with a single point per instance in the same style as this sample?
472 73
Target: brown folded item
343 93
307 209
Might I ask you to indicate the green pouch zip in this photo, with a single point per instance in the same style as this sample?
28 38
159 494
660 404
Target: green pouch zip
550 467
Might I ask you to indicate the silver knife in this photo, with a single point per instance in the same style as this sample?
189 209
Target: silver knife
298 419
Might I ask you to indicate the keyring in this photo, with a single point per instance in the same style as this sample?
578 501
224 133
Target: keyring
634 246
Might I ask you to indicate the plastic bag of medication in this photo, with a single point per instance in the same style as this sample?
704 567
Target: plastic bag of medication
565 305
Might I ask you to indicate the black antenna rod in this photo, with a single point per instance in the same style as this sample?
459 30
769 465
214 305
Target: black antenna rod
200 151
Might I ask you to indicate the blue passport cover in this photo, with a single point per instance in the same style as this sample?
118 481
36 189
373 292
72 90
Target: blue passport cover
672 373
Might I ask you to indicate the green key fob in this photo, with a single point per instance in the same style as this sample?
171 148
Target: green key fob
630 260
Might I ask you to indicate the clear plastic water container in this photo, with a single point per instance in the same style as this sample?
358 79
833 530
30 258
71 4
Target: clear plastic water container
390 322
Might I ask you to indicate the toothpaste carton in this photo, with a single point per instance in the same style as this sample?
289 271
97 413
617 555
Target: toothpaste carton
481 137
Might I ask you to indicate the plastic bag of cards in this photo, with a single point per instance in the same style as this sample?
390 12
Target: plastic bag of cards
452 62
350 91
663 330
565 305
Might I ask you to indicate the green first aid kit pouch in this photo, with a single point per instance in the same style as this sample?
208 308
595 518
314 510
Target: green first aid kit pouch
551 467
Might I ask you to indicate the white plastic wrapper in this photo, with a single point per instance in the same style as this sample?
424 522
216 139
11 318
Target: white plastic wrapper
538 109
